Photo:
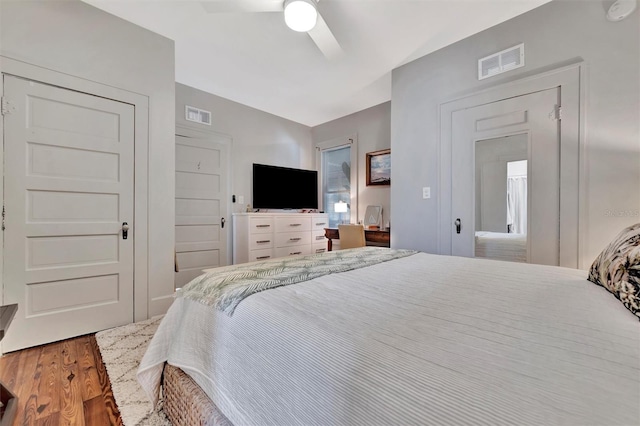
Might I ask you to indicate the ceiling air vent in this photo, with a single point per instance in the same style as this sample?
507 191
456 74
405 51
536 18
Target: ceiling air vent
507 60
197 115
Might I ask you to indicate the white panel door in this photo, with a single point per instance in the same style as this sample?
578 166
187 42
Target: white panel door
201 205
533 114
68 189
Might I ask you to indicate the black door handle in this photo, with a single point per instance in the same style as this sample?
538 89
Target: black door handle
458 224
125 230
222 222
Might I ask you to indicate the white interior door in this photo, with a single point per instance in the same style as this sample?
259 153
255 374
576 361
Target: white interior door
201 206
68 190
533 114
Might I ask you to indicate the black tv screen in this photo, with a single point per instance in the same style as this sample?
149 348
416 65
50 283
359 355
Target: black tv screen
284 188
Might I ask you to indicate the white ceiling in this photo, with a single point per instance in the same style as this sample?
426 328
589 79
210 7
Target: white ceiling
254 59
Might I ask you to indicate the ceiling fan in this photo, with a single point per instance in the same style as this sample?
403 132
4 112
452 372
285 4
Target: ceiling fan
299 15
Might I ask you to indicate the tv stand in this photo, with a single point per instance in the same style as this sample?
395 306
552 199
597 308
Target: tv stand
262 236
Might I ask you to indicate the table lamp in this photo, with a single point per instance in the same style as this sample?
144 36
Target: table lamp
341 207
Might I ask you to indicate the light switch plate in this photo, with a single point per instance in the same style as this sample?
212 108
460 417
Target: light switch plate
241 199
426 192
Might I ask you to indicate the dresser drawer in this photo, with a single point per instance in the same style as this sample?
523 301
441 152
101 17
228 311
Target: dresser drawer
260 241
293 223
319 222
263 254
319 248
260 225
293 250
318 237
286 239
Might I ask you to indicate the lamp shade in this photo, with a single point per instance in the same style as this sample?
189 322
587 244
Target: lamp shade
340 207
300 15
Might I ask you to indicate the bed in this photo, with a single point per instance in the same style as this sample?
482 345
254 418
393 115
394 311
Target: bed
416 339
501 246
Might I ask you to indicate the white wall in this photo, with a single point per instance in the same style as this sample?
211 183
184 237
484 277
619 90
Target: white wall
77 39
372 129
258 137
554 34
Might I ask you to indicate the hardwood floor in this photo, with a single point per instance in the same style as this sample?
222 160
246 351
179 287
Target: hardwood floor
63 383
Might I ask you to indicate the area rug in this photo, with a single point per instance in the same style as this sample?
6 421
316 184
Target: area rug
122 349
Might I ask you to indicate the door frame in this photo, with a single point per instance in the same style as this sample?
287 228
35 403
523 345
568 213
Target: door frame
140 103
571 81
227 140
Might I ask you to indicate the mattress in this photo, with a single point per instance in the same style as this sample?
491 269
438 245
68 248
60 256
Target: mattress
501 246
423 339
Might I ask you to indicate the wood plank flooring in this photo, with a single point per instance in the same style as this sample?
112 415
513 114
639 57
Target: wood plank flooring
62 383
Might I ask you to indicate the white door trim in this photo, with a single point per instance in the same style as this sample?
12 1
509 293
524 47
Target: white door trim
573 218
225 140
141 161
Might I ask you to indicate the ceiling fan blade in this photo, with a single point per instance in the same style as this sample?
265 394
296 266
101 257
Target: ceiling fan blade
234 6
325 40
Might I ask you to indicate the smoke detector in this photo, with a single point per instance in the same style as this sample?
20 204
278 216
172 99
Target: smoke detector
621 9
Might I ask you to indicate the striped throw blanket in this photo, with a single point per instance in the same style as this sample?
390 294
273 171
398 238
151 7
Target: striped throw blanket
226 287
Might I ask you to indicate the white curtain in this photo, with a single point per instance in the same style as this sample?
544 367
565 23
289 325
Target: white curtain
517 204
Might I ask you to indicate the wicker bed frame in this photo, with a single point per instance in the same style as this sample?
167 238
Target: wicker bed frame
186 404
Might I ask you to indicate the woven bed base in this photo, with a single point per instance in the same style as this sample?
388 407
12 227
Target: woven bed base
186 404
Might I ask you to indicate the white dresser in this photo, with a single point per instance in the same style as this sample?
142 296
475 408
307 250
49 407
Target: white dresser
261 236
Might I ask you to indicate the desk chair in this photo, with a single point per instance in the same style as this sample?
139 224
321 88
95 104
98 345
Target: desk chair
351 236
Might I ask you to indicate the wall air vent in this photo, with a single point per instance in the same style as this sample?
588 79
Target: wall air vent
197 115
506 60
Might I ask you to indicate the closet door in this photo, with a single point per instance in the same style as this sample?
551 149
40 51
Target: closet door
201 206
69 167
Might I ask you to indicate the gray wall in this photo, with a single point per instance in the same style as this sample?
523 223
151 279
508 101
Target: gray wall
372 127
258 137
554 34
77 39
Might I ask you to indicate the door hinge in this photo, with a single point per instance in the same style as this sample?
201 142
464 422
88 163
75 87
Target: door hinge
7 106
3 217
556 114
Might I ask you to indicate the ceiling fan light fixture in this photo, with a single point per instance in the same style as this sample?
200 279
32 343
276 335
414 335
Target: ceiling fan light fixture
300 15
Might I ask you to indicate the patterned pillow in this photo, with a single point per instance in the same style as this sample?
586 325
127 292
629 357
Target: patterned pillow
617 268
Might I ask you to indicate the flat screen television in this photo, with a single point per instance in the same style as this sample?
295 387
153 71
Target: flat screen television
284 188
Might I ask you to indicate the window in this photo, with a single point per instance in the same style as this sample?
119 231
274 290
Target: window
337 179
336 183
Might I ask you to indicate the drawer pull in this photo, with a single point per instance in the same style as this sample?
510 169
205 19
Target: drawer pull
321 250
295 239
295 224
263 257
263 241
319 237
262 226
295 252
320 224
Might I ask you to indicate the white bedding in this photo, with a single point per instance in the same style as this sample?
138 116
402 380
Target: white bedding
420 340
501 246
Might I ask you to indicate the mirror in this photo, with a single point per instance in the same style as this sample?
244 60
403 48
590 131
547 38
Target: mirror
373 217
501 198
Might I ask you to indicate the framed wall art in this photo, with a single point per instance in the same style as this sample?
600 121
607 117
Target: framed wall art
379 168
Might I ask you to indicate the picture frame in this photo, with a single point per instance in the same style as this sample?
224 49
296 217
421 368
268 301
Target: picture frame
379 168
373 217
